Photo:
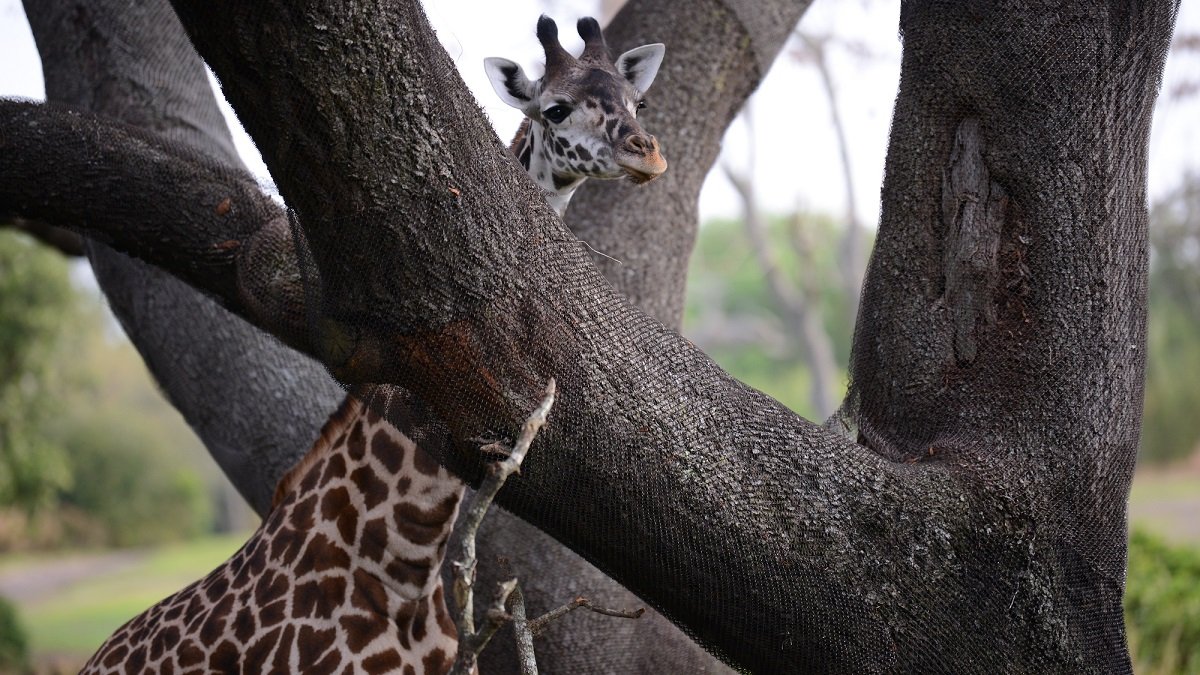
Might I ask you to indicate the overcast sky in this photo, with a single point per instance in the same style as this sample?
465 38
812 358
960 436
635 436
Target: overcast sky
794 146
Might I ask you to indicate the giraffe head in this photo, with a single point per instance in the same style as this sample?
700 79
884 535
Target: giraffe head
586 107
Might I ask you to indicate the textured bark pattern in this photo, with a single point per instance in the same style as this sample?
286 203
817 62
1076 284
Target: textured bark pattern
978 526
716 56
254 403
141 85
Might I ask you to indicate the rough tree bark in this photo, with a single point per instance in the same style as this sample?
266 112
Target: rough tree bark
135 64
979 524
254 403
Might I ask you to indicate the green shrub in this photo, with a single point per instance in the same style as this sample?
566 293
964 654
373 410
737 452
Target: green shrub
126 479
14 645
1162 605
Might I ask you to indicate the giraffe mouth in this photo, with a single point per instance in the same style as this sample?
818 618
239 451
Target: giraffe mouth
642 169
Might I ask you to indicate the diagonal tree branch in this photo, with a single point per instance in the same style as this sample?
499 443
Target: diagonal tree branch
826 548
254 403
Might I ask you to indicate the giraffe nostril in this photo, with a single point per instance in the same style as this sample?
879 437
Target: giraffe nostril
641 143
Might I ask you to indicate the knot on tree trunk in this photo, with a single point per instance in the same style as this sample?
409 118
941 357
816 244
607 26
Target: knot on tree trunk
973 213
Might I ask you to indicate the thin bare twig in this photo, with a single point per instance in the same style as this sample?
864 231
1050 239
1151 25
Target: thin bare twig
539 624
470 641
525 654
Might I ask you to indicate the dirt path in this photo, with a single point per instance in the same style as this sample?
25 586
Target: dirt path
39 579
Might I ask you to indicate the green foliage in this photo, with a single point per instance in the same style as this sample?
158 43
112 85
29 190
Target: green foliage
37 303
14 644
126 479
90 453
1162 605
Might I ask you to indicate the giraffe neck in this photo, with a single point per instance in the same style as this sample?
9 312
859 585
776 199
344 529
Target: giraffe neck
373 501
534 153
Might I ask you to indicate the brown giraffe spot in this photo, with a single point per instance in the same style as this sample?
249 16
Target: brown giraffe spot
409 670
444 621
167 667
215 587
258 651
388 451
424 527
356 444
115 656
286 546
164 642
256 563
336 468
425 463
195 610
318 598
284 653
325 666
321 555
369 594
275 520
214 626
382 662
244 625
312 643
189 654
269 615
374 491
404 617
435 662
336 506
309 482
408 572
173 612
361 630
224 658
420 620
302 514
374 540
270 586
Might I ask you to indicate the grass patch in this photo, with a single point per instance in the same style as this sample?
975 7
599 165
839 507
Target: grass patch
82 616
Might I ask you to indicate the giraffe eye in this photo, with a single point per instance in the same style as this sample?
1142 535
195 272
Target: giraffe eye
641 104
556 113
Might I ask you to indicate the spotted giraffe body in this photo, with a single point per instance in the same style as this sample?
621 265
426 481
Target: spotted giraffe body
343 574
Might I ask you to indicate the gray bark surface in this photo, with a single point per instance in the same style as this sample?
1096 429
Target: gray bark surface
137 66
978 526
255 404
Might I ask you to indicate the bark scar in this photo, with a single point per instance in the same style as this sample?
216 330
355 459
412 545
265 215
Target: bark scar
973 212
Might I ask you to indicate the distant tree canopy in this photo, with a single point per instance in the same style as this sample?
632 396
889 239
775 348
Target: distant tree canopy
89 453
36 306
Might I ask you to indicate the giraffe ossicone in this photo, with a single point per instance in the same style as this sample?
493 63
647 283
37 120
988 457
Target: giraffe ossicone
581 115
344 574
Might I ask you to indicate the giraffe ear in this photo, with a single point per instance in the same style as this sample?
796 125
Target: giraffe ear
640 64
509 81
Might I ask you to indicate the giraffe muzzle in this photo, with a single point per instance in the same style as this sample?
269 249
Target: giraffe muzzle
640 158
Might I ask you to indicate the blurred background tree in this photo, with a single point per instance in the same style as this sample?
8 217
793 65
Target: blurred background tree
37 307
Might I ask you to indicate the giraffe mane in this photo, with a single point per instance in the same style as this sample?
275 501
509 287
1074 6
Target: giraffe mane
330 432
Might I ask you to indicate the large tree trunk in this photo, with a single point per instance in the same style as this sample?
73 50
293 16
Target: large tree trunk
978 526
255 403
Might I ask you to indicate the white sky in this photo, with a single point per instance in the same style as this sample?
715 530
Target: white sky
796 158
